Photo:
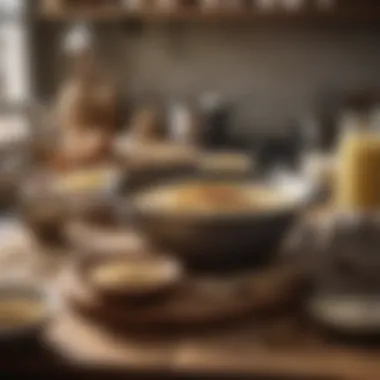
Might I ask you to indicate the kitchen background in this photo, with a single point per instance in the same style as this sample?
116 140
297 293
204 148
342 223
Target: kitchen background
277 73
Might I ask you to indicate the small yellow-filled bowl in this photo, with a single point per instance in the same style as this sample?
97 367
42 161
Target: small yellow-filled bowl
131 278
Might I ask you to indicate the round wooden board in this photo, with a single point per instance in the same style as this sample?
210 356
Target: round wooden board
198 301
81 341
239 350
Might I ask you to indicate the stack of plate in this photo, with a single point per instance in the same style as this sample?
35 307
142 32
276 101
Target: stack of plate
49 199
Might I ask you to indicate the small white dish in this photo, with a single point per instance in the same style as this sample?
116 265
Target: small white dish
347 314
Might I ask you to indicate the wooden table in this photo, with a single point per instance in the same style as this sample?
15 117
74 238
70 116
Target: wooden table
282 347
262 350
274 347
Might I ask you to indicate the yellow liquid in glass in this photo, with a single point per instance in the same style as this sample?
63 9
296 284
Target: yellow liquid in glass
358 184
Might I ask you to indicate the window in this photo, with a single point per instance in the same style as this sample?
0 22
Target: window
12 8
14 64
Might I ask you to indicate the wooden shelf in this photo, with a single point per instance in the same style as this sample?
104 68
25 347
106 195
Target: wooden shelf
111 14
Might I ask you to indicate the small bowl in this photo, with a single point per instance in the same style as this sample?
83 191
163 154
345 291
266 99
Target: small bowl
104 277
20 299
46 202
347 315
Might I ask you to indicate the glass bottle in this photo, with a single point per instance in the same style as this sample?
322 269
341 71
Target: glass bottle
86 103
358 177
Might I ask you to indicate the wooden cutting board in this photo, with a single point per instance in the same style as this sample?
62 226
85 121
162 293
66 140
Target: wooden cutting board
197 301
281 348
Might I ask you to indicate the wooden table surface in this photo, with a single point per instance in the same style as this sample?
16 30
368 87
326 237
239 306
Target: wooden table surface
278 347
275 347
231 353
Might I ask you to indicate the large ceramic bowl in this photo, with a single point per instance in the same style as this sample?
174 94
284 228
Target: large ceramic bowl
217 237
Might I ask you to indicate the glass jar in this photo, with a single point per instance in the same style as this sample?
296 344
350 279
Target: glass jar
358 177
343 244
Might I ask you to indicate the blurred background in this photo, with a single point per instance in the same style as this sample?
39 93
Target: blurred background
278 67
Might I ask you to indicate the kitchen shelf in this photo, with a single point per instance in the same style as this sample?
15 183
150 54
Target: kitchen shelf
107 14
